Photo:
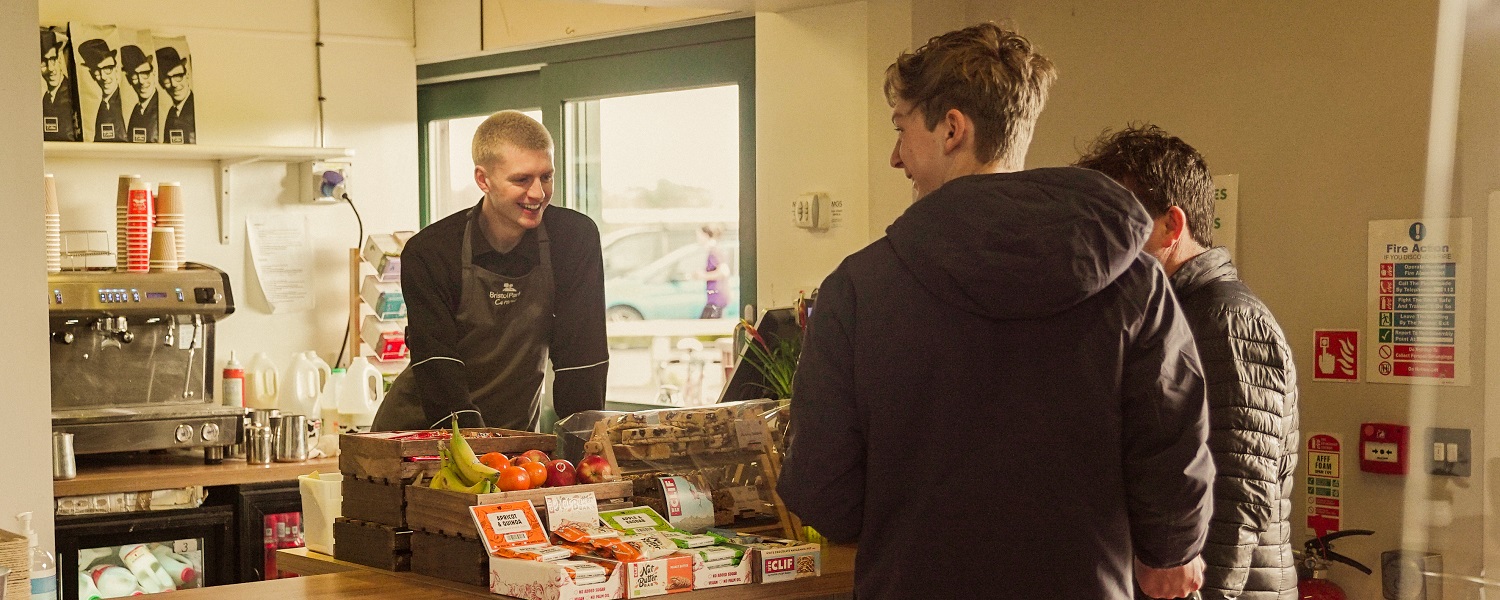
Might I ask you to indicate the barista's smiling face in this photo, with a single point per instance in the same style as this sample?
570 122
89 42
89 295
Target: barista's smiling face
517 186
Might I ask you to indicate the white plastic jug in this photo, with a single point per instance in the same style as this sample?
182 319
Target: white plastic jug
301 396
261 386
361 393
329 402
323 370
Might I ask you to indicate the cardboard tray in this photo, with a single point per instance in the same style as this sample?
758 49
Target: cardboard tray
372 456
447 512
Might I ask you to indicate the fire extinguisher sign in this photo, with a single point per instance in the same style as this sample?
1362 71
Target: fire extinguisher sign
1324 502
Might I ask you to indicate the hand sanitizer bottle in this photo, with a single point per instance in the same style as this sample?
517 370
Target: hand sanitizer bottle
43 566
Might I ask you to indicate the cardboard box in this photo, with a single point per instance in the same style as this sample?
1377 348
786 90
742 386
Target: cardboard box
536 580
666 575
385 298
774 559
386 338
712 577
383 252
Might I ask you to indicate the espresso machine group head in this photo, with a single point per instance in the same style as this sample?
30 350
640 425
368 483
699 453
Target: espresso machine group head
132 357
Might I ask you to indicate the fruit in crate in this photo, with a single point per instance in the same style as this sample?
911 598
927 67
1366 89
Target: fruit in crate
595 469
461 470
537 456
560 473
514 479
538 473
495 460
520 460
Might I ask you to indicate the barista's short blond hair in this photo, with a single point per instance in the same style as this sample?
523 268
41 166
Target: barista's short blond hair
508 127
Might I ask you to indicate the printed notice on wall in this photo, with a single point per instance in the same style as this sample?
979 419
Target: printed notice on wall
282 254
1419 301
1226 211
1324 501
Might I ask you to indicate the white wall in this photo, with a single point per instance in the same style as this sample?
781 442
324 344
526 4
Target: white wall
452 28
25 437
1323 109
255 75
812 116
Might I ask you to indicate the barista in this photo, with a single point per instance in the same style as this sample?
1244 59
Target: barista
494 291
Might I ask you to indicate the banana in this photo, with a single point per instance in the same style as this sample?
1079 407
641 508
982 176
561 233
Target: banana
482 487
462 457
439 480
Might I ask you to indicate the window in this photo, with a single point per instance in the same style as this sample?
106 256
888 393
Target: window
655 136
452 178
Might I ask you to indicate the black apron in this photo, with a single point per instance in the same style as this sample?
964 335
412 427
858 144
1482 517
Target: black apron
505 326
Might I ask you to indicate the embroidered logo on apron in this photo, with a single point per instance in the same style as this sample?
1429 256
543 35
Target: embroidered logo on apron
507 295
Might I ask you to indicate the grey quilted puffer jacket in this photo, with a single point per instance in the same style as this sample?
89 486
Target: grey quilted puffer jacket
1252 398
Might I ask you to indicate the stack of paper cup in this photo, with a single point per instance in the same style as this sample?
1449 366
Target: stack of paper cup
170 214
122 207
163 249
138 229
54 226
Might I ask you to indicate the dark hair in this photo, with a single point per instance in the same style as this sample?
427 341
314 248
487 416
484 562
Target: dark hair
1162 170
993 76
713 230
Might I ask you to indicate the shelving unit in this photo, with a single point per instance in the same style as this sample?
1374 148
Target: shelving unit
359 269
225 159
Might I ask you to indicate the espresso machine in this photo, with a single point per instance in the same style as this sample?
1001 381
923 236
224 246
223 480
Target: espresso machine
131 360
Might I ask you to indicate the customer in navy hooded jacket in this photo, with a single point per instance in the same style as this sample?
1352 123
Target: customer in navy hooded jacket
1000 398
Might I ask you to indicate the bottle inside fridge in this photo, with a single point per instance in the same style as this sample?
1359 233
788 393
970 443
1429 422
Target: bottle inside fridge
136 568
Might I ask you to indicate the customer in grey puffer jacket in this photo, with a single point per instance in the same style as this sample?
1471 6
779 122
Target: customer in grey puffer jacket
1252 383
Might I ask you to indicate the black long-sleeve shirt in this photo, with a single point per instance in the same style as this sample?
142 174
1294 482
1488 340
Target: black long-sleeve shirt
430 281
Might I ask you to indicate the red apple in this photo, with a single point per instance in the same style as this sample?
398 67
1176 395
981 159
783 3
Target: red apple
537 456
594 469
560 473
520 460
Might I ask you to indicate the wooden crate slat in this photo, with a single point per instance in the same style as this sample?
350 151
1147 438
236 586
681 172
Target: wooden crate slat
372 544
450 558
446 511
373 501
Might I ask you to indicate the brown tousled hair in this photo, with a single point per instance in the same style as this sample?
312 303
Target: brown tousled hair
993 76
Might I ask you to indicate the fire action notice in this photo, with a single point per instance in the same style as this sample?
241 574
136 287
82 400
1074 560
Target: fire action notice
1419 301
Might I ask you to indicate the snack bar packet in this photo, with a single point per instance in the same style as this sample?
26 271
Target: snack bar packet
716 553
583 573
608 545
651 545
540 552
684 539
582 532
723 562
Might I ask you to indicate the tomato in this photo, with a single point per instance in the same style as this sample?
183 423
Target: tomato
513 479
538 472
495 460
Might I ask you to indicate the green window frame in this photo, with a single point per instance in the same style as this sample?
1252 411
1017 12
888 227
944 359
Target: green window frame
712 54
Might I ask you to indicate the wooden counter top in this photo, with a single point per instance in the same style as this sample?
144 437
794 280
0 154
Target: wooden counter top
837 581
111 473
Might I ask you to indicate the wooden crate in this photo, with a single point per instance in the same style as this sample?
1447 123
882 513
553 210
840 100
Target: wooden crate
376 456
447 512
372 544
450 557
374 501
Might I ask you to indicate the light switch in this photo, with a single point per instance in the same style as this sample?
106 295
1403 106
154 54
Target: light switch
1451 452
1438 452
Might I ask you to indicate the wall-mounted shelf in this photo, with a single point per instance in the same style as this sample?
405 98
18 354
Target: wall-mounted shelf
225 157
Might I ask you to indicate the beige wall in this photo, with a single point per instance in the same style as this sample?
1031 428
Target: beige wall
452 28
812 117
1323 109
256 84
24 435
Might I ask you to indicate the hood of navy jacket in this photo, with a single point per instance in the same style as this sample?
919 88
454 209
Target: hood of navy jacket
1021 245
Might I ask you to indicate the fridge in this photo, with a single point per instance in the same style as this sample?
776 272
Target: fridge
269 519
120 554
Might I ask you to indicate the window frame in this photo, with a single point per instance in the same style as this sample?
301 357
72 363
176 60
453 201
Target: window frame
697 56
